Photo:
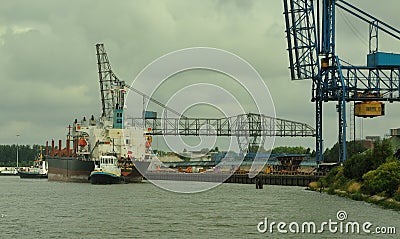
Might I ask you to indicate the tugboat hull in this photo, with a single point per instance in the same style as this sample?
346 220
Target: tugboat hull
31 175
105 178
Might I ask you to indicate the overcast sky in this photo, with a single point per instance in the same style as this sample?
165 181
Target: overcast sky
48 70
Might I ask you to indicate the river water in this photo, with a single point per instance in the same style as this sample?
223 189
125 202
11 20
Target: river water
31 208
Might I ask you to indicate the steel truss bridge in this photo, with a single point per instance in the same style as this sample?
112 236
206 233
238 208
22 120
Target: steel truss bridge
252 125
250 129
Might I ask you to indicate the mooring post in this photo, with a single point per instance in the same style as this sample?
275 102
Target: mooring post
259 183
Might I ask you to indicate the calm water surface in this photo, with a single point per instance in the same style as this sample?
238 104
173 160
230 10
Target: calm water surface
32 208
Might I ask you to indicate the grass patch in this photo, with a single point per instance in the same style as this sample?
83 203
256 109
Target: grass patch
353 187
314 186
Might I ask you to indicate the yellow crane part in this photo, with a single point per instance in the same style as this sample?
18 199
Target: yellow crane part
369 109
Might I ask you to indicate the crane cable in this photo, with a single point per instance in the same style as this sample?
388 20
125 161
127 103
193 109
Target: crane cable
155 101
355 31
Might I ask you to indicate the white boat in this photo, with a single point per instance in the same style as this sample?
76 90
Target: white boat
8 171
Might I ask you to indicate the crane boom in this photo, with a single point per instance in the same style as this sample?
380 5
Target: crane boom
111 86
108 81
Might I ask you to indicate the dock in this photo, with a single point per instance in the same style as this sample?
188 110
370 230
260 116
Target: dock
266 179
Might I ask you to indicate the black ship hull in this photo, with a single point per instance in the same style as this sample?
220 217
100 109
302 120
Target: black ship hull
69 169
135 174
105 179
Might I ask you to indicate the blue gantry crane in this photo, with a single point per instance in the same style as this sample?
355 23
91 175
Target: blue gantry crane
310 30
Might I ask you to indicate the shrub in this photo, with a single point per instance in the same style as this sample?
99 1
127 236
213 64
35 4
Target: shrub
356 166
357 196
329 179
331 191
340 180
397 194
384 180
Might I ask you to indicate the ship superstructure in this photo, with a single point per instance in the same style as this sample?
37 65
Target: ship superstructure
107 135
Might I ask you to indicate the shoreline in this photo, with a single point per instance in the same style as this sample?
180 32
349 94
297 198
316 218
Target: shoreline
384 202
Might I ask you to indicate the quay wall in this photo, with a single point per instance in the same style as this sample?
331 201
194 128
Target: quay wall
266 179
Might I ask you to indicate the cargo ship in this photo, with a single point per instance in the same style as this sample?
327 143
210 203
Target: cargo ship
107 135
96 138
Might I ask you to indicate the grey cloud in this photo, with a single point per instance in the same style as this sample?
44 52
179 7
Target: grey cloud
48 65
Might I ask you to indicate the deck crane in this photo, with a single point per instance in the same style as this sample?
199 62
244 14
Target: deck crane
310 31
112 88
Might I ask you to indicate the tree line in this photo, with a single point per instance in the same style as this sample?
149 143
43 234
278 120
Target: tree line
26 154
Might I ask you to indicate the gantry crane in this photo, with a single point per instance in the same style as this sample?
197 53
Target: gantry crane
310 30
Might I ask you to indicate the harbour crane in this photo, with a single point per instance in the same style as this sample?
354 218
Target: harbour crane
310 32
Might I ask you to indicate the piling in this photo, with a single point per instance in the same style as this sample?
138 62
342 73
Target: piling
259 183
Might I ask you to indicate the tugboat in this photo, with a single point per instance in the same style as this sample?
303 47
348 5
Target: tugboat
38 170
106 171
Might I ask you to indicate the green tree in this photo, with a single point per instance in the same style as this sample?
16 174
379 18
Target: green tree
359 164
384 180
356 166
353 148
26 154
380 152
